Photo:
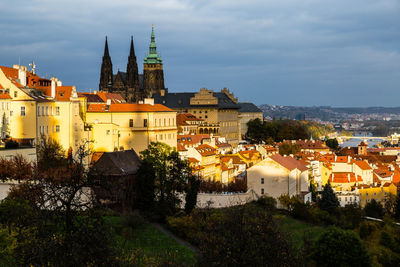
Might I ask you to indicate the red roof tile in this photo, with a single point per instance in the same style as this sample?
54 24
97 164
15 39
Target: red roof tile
363 165
289 162
206 150
125 107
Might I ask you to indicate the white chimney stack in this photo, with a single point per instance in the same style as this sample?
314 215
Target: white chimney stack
53 87
149 101
108 102
22 75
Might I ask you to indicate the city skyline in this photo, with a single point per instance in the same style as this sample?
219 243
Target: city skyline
293 53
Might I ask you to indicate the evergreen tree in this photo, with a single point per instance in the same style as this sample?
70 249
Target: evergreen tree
191 193
144 187
4 130
396 209
328 201
374 209
313 190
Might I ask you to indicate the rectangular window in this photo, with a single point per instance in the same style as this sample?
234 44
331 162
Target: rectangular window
11 112
47 129
42 111
57 111
262 180
155 122
47 111
15 93
131 123
22 111
145 123
262 191
38 111
108 132
51 111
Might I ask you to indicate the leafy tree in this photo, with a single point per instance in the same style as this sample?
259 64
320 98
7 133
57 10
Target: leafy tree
336 247
313 190
50 154
256 130
144 187
288 148
193 186
396 208
242 236
171 176
328 201
389 204
288 202
332 143
55 214
374 209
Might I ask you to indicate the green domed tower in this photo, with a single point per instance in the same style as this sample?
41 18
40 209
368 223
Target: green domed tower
153 74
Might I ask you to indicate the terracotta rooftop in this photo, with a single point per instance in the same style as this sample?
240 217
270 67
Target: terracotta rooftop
191 139
125 107
289 162
363 165
206 150
182 118
344 177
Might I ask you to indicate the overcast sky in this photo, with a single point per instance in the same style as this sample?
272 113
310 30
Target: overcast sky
284 52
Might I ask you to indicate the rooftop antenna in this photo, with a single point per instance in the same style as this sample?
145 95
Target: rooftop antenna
33 67
19 61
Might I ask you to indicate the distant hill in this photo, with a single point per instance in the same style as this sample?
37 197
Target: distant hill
327 113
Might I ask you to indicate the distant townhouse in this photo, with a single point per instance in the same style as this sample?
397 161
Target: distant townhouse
277 175
188 123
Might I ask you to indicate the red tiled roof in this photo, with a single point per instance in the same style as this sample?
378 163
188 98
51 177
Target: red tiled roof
235 159
222 144
363 165
180 147
191 139
115 98
193 160
383 172
4 95
125 107
206 150
344 177
181 118
289 162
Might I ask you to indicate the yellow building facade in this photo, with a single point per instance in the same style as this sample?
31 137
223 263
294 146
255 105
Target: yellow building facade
130 126
379 193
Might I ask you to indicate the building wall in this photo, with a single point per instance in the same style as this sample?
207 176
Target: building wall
147 127
245 117
378 193
229 125
5 109
277 179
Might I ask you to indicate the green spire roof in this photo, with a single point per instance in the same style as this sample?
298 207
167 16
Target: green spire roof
152 57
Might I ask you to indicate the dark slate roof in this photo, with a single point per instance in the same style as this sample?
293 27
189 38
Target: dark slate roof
182 100
125 162
248 107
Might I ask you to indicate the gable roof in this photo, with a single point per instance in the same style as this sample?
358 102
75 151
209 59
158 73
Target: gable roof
363 165
288 162
125 162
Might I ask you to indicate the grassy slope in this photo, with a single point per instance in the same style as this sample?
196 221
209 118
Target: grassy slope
150 244
297 229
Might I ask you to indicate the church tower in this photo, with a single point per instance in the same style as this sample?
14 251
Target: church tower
153 75
106 74
132 76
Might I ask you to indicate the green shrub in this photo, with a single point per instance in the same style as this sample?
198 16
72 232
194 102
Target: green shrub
387 240
337 247
366 229
267 202
133 220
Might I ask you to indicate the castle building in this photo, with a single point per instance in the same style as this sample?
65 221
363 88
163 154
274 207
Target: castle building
134 87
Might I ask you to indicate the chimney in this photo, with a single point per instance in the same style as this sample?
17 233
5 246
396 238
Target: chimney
95 92
22 75
348 177
149 101
59 83
162 92
108 102
53 87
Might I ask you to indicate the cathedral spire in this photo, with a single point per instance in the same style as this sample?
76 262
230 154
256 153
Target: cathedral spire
106 74
106 53
132 51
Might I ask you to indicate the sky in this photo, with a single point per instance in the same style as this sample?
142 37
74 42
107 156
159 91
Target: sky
280 52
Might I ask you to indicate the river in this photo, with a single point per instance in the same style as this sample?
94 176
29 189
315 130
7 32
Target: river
355 142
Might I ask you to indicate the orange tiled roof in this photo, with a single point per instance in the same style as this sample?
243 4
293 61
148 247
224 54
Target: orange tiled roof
115 98
344 177
289 162
125 107
191 139
235 159
193 160
383 172
206 150
363 165
180 147
4 95
181 118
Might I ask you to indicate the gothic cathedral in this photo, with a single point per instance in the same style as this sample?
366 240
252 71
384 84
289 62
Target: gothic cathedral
134 87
